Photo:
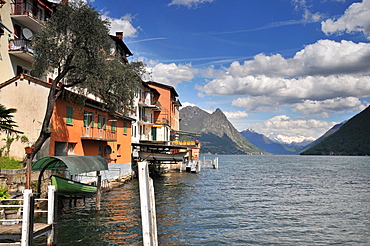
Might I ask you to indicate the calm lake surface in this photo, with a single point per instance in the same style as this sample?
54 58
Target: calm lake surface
249 200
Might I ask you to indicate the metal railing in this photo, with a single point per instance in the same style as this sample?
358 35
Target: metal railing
29 9
98 133
21 44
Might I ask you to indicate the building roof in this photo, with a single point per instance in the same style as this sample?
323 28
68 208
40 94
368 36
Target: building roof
122 45
27 77
167 87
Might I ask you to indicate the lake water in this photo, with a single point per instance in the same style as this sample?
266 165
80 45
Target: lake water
249 200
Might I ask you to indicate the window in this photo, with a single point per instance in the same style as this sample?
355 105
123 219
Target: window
104 123
99 121
113 126
88 119
125 128
71 148
69 119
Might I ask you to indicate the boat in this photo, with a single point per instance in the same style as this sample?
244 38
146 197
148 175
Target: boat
69 187
75 165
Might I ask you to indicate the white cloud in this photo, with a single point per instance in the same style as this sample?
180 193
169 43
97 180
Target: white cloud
307 15
189 3
355 19
172 74
236 114
310 107
284 127
185 104
326 73
123 24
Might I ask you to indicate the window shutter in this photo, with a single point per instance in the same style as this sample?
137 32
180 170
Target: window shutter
69 119
85 118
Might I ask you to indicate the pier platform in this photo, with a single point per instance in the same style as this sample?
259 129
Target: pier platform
14 232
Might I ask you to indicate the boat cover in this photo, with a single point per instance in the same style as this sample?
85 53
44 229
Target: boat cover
75 164
162 157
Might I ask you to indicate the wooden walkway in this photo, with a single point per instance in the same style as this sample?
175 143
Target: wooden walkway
14 232
23 231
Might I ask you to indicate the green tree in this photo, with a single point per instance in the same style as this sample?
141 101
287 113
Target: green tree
7 124
75 44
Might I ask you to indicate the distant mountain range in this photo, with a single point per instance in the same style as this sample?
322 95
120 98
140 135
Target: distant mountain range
352 138
218 135
271 146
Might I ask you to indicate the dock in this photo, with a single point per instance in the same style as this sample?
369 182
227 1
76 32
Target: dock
21 231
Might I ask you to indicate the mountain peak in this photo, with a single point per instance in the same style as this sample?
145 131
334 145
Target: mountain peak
218 135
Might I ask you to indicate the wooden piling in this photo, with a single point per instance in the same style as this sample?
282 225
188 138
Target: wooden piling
98 192
148 217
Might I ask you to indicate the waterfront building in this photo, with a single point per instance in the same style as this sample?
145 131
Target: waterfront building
19 21
78 130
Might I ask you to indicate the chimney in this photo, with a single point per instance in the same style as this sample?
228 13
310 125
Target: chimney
119 35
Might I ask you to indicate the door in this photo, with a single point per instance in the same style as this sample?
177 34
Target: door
154 133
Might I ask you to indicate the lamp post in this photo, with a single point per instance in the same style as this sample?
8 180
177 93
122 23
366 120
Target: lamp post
29 166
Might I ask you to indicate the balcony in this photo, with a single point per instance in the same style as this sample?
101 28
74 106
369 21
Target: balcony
30 15
21 48
146 119
98 134
156 106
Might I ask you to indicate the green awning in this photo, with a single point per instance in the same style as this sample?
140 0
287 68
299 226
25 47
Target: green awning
75 164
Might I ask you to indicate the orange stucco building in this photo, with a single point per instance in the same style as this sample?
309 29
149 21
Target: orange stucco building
90 131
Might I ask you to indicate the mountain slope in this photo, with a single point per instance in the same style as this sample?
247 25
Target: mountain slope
323 137
352 138
218 135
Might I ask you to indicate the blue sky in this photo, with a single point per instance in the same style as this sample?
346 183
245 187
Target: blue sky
289 69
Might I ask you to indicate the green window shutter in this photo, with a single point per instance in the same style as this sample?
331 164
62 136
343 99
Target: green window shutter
104 123
85 118
69 119
124 127
113 126
99 121
92 119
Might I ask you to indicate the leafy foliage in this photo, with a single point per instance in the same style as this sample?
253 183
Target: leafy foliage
3 193
75 46
9 163
6 122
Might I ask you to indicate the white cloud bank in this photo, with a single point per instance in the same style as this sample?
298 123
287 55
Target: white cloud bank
123 24
172 74
322 78
355 19
288 130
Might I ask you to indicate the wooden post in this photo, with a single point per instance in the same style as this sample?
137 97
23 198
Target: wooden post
153 213
215 163
52 207
28 172
198 165
148 220
27 222
98 191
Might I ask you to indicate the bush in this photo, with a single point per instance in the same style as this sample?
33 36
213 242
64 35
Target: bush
9 163
3 193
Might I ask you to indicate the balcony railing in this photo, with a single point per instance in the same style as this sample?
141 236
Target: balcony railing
29 9
21 44
99 134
